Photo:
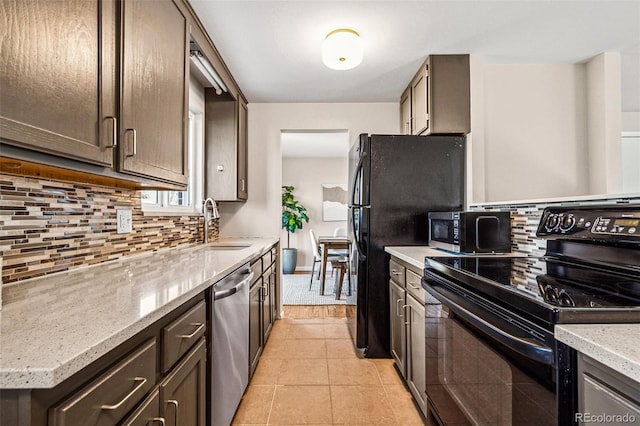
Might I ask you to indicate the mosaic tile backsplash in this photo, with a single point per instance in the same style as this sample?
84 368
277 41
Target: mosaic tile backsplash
49 226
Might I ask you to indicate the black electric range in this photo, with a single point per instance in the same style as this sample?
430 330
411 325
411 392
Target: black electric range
490 320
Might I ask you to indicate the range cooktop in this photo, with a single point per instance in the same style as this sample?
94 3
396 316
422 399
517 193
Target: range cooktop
589 274
557 283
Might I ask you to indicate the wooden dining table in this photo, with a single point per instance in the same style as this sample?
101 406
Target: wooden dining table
331 243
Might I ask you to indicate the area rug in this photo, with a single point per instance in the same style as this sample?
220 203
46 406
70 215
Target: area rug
295 290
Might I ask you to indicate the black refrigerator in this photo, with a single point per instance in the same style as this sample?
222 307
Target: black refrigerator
394 182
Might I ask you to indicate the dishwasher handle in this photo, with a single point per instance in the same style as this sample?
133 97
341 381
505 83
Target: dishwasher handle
217 295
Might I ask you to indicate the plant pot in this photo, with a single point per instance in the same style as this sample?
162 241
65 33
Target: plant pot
289 260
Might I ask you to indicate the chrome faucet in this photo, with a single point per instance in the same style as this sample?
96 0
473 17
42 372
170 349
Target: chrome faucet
206 217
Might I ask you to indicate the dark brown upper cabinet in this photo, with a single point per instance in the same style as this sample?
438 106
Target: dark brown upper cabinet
437 101
154 98
225 147
58 78
61 64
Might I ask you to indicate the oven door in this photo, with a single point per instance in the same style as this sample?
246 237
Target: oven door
480 368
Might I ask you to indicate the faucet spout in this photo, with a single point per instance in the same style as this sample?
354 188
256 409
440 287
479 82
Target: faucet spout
208 217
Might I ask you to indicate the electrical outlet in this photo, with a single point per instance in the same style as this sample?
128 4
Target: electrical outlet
124 220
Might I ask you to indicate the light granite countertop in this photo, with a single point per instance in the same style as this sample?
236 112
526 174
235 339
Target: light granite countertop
615 345
53 326
414 255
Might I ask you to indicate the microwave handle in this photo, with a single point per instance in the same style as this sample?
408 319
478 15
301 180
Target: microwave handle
523 346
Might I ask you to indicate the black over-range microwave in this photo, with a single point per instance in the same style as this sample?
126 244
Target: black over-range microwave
471 232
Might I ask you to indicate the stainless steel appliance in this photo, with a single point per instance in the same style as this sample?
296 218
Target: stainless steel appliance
229 344
491 354
471 232
394 182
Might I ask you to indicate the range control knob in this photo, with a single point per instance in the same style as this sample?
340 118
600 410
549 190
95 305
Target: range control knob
552 222
567 223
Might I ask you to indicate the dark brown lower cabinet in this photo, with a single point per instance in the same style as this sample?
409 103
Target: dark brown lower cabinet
255 321
183 392
106 400
267 304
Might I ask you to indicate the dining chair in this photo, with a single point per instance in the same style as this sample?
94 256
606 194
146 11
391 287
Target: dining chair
317 257
339 232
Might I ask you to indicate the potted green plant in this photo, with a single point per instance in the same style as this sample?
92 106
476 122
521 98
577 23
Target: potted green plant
293 214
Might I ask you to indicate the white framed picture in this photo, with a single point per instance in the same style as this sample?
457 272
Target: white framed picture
334 202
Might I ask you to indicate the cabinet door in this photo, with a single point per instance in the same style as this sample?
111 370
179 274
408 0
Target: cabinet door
272 293
255 325
419 101
398 338
405 112
267 311
416 360
153 130
242 149
58 77
183 392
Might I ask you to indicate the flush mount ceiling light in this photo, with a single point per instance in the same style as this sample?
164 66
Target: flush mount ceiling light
342 49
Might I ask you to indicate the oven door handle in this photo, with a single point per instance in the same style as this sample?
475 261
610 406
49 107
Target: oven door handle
526 347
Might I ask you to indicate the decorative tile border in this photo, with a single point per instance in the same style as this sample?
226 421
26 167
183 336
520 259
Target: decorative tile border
49 226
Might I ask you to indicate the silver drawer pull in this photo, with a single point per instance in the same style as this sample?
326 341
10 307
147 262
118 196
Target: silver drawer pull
175 404
142 381
197 330
395 272
160 420
412 286
403 310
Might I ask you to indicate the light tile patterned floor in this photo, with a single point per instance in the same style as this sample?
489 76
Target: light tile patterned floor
309 374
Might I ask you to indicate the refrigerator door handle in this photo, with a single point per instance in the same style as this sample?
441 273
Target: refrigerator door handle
355 180
359 249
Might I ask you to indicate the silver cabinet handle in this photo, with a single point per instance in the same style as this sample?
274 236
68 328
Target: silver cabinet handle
398 310
403 310
395 272
142 381
135 142
175 404
160 420
197 330
242 185
412 286
114 134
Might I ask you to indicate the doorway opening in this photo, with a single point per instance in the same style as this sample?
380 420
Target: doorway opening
315 164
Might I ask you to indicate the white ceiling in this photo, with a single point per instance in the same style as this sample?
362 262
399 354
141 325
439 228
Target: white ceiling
328 144
273 48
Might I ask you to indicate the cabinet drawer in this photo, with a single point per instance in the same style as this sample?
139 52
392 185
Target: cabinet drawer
179 336
414 286
266 260
274 254
147 413
396 272
106 400
256 268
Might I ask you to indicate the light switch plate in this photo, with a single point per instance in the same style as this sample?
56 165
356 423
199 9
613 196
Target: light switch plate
124 220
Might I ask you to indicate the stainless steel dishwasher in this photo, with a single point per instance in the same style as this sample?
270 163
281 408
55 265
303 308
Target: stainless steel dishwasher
229 344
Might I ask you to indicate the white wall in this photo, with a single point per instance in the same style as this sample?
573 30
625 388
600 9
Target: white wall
604 123
260 215
528 131
307 175
630 121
